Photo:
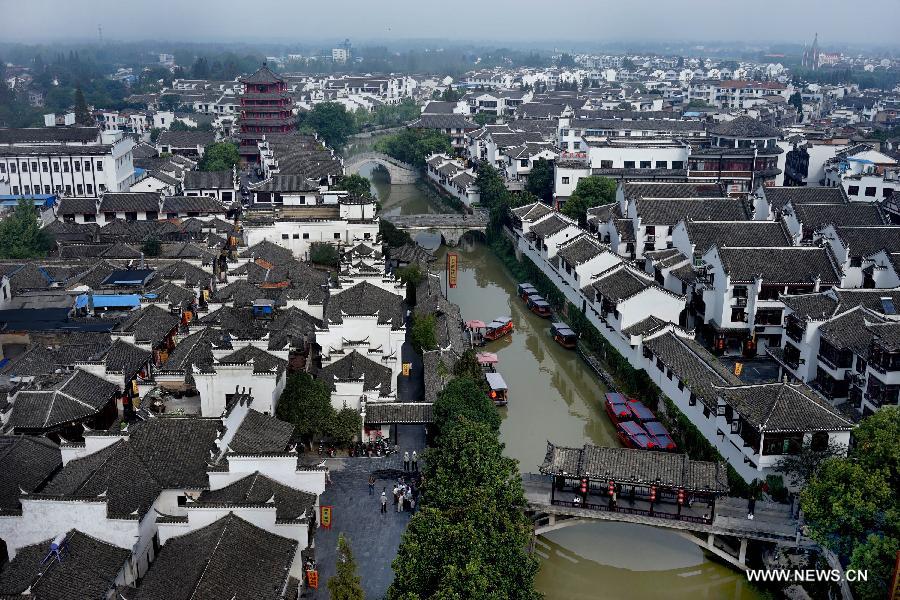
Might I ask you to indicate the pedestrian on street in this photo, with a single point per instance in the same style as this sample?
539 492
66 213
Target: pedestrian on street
397 448
415 461
400 501
371 485
406 461
751 506
396 494
384 500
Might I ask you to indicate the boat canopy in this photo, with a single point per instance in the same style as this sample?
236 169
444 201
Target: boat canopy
495 380
562 329
475 324
499 322
487 358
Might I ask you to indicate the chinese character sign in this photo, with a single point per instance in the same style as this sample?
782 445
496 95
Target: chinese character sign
325 518
452 268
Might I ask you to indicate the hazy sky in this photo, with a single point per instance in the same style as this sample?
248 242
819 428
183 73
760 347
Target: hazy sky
837 21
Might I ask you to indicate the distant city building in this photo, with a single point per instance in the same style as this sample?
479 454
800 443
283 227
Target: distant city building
810 58
167 60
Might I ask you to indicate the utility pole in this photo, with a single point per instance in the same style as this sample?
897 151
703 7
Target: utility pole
100 33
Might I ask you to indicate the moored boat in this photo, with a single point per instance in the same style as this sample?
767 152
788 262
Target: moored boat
640 412
617 407
498 392
524 290
661 436
498 328
632 435
563 335
539 306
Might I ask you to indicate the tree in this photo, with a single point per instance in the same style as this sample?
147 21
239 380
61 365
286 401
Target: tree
566 60
323 253
450 95
468 366
414 146
200 68
876 556
876 443
219 156
169 102
464 397
485 118
331 122
306 402
391 235
357 185
151 247
423 336
590 192
345 584
21 235
345 426
412 276
82 112
540 180
154 134
801 467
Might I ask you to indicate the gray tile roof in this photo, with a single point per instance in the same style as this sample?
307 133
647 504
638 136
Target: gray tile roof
532 212
365 299
129 202
745 127
705 234
43 135
261 434
657 211
776 407
550 226
149 325
780 265
849 330
263 362
209 180
354 367
580 249
779 197
815 216
258 490
88 570
866 241
621 283
399 412
77 206
126 358
630 466
26 462
186 139
199 204
673 190
443 121
176 449
212 562
54 400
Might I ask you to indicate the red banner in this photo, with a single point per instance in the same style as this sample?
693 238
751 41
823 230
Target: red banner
452 268
325 516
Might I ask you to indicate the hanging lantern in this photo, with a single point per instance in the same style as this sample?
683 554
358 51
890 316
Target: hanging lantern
584 485
612 487
652 493
681 496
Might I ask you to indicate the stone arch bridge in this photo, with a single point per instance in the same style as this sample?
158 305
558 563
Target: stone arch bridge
399 171
452 227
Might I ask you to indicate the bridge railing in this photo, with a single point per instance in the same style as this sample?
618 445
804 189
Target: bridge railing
633 511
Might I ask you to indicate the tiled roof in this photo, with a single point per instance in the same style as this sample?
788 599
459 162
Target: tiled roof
259 434
532 212
126 358
580 249
657 211
176 449
186 139
262 75
257 489
26 462
705 234
630 466
286 183
773 407
849 330
60 352
268 251
443 121
673 190
43 135
209 180
779 197
77 206
73 397
399 412
366 299
129 202
263 362
149 325
745 127
87 570
866 241
815 216
354 367
621 283
550 226
198 204
229 558
795 264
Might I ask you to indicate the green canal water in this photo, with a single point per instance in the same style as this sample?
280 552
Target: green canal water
555 396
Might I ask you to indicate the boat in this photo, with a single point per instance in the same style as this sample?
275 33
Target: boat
487 360
498 393
498 328
617 407
632 435
640 412
526 289
564 336
661 435
539 306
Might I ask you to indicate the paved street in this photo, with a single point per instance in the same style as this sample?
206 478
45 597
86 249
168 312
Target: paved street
412 388
373 536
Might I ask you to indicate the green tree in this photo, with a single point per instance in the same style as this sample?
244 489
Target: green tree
412 276
200 68
345 584
876 556
590 192
21 235
464 397
83 114
698 104
450 95
306 402
540 180
169 102
423 336
876 444
331 121
345 426
800 468
391 235
151 247
414 146
357 185
485 118
323 253
468 366
219 156
154 134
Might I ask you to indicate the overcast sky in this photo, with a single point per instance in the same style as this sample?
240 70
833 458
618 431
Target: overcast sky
837 21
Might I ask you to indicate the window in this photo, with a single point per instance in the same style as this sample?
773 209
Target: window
523 162
645 164
90 190
607 164
87 165
99 165
284 236
101 187
182 500
56 167
108 216
152 215
12 167
677 164
65 167
870 191
131 216
305 236
27 190
24 167
853 190
175 216
296 236
2 167
45 167
79 189
738 315
337 235
15 190
565 180
34 166
629 164
77 165
367 236
90 218
47 189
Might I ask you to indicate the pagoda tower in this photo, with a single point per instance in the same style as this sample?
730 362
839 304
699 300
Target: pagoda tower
265 108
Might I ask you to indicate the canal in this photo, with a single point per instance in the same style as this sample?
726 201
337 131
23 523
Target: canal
555 396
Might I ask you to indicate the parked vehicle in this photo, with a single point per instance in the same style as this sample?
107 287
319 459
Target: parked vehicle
564 336
617 407
632 435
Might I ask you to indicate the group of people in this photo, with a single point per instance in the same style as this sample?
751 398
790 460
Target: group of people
405 496
406 461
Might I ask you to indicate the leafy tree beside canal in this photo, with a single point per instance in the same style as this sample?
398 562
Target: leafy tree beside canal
423 336
470 537
331 121
590 192
540 180
413 146
357 185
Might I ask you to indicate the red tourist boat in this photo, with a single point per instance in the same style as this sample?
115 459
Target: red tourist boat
564 336
526 289
633 435
640 412
661 436
498 328
539 306
617 407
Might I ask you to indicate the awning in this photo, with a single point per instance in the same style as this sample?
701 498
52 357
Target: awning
495 380
109 300
475 324
487 358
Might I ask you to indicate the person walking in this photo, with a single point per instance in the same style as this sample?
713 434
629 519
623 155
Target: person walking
371 485
384 500
751 506
415 461
406 461
400 501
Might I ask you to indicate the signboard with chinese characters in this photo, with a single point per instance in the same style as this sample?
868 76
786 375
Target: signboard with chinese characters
325 516
452 268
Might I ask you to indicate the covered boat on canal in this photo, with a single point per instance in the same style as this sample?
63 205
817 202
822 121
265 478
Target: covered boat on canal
498 391
539 306
524 290
617 407
632 435
563 335
498 328
661 435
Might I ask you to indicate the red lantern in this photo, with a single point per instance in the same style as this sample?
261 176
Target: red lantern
680 496
584 485
652 493
612 487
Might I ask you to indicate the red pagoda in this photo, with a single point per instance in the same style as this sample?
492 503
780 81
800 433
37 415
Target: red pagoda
265 108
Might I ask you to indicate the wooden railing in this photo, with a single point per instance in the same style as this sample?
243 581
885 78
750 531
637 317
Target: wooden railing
632 511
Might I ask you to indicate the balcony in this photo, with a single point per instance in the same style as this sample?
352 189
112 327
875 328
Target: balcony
740 302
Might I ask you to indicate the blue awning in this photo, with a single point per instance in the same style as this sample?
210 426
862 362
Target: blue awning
47 200
109 300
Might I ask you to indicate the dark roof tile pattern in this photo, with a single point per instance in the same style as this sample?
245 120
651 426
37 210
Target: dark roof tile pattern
257 489
26 462
783 407
780 265
260 434
354 367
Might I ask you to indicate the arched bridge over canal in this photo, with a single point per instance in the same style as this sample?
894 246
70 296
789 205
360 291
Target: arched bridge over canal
451 226
400 172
